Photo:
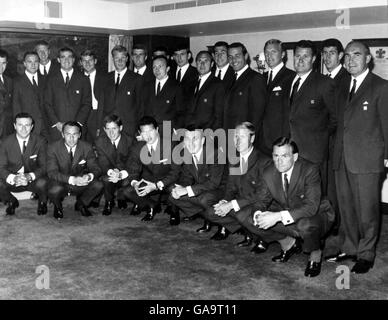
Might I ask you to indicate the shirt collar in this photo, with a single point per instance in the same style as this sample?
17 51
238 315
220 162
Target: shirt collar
276 70
183 69
122 72
246 156
91 74
360 78
240 72
198 154
41 67
116 142
289 173
68 148
141 70
154 145
20 140
30 75
162 82
64 73
223 69
204 77
302 79
335 71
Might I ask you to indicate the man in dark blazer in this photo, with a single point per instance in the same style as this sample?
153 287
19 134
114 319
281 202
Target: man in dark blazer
139 58
201 179
206 108
162 98
97 82
23 165
241 186
122 92
311 101
289 207
150 170
72 169
360 155
47 67
6 88
222 70
28 93
113 150
68 95
246 98
278 77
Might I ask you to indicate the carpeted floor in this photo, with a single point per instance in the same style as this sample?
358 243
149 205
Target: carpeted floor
120 257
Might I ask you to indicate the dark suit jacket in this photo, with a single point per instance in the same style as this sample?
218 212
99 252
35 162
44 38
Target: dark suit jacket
243 187
147 76
33 159
59 167
275 120
27 98
166 105
6 127
228 78
108 157
187 84
126 102
245 100
73 102
54 68
312 116
206 108
362 134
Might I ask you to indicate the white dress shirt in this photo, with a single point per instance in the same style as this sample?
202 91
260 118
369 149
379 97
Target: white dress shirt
30 75
183 70
92 78
224 69
42 66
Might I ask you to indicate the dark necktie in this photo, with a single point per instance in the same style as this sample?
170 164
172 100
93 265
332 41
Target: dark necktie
117 81
71 156
67 79
294 90
219 74
195 162
269 79
234 79
24 147
158 89
44 70
286 186
329 75
34 82
197 86
244 166
1 81
137 71
114 146
178 77
351 94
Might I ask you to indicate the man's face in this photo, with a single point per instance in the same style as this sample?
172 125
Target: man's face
204 64
120 60
283 158
221 56
182 57
31 63
356 59
139 58
193 141
331 58
160 69
88 63
3 64
273 55
149 134
243 139
23 127
71 135
237 59
113 131
66 59
303 60
43 53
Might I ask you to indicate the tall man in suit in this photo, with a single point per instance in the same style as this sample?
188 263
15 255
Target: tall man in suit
200 180
23 164
122 92
311 100
6 88
72 169
97 83
113 150
68 95
47 67
28 93
223 70
278 77
288 207
360 154
206 108
139 59
246 98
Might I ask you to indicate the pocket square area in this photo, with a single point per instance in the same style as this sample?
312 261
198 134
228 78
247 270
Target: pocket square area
33 156
278 88
82 162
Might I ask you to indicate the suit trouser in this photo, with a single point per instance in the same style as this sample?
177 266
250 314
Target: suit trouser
38 186
232 221
359 205
150 200
110 189
57 191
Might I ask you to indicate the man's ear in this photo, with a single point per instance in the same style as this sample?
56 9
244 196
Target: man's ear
295 155
59 60
340 55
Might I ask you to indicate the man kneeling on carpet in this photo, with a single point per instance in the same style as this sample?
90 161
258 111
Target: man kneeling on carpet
23 164
72 169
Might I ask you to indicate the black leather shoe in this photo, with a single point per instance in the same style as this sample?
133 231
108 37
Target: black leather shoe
284 256
175 218
122 204
58 213
221 234
245 243
205 228
340 257
312 269
191 218
149 216
12 205
42 208
362 266
135 211
260 247
157 209
84 211
108 208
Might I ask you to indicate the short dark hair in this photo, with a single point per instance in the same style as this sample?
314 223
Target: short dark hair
21 115
3 54
71 124
221 44
66 49
119 48
30 53
140 46
332 42
164 58
112 118
284 141
146 121
204 52
238 45
306 44
88 53
42 43
160 48
182 46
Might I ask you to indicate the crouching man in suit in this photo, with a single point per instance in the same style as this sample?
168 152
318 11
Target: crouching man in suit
200 183
72 169
289 207
112 155
23 164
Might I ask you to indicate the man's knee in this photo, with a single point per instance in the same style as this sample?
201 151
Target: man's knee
307 226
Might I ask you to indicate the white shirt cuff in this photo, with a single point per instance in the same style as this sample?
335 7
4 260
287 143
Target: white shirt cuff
71 180
286 217
160 185
190 192
235 205
91 176
123 174
33 177
109 172
133 182
10 179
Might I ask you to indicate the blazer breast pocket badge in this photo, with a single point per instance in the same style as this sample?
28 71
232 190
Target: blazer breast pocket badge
253 182
205 100
277 90
240 93
33 157
163 161
167 101
302 196
365 106
77 91
312 101
82 162
128 93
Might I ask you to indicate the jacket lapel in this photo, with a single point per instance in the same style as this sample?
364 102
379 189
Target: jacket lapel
294 177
